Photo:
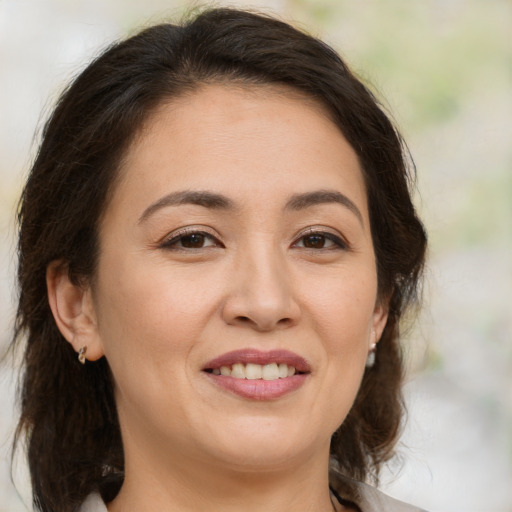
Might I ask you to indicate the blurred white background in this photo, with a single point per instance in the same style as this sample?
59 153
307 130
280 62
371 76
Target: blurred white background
444 69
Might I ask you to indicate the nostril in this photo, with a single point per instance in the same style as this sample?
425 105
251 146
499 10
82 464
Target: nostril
263 324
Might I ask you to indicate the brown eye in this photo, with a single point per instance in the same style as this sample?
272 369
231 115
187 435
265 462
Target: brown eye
314 241
193 241
321 240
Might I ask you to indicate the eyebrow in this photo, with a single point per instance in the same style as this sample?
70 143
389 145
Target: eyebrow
308 199
199 198
216 201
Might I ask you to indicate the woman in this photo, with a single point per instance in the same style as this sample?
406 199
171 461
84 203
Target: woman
218 226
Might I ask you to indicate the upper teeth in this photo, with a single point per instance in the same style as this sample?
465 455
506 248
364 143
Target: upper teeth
252 371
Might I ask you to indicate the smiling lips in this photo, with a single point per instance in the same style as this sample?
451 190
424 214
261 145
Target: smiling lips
251 371
258 375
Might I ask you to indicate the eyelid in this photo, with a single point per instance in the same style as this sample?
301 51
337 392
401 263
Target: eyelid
174 236
169 240
335 237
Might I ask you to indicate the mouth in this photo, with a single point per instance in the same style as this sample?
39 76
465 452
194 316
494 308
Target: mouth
258 375
252 371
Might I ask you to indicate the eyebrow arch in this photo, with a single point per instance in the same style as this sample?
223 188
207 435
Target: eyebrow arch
308 199
199 198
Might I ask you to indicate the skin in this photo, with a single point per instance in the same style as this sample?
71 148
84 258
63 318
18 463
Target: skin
258 279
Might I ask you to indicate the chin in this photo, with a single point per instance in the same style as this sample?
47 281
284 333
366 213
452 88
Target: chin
264 445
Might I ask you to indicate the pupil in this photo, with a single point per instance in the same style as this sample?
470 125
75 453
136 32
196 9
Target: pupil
314 241
193 241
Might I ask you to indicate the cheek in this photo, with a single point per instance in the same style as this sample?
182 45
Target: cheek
342 312
142 314
342 308
153 315
149 325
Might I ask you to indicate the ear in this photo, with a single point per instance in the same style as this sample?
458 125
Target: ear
73 310
379 320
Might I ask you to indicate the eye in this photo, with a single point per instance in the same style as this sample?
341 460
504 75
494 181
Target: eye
190 239
321 240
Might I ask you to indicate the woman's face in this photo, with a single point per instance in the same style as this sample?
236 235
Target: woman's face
237 242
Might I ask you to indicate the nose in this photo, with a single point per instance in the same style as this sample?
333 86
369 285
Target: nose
261 293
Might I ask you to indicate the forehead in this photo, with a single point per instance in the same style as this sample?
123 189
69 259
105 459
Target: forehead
260 141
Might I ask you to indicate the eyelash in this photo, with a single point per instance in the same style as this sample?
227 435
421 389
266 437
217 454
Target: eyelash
171 243
340 243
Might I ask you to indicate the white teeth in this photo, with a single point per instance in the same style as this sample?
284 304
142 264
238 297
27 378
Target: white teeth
251 371
270 372
225 370
238 371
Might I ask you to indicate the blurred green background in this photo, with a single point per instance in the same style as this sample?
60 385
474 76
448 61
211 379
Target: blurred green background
444 70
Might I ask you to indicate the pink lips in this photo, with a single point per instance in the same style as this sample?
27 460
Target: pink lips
257 357
259 389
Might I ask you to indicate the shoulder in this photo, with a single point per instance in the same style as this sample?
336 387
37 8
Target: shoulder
366 497
93 503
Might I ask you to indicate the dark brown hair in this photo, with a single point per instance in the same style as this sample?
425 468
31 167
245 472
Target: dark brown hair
68 413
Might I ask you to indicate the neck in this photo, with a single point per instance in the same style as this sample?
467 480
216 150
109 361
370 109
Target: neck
188 486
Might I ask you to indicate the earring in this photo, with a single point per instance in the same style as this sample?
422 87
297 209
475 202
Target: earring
370 360
81 354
